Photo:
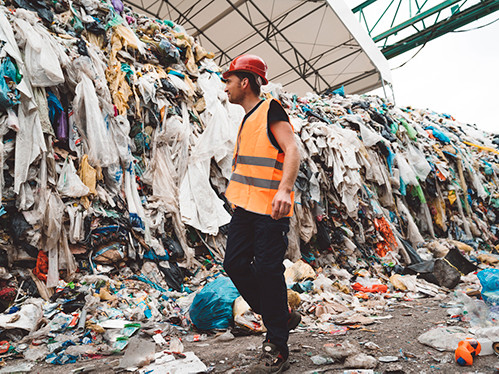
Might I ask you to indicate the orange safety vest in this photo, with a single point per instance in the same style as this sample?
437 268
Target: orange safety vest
256 166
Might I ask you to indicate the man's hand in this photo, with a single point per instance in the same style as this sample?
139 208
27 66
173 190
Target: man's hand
281 204
283 133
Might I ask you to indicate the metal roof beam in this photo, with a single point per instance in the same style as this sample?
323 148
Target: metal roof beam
222 15
415 19
454 22
364 75
359 7
267 27
316 59
144 8
275 46
302 65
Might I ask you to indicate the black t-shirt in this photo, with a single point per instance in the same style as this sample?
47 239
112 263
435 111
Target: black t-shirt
276 114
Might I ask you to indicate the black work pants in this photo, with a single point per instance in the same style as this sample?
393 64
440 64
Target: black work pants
256 246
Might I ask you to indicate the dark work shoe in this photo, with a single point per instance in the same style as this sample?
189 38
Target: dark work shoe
271 361
294 320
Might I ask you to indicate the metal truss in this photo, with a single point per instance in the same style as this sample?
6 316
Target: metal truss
398 26
270 32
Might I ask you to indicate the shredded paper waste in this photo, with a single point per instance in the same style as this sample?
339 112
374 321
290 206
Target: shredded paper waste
116 144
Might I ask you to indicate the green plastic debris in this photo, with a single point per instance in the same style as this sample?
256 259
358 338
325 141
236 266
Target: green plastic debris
420 194
115 21
130 329
77 25
169 23
394 127
410 130
127 70
120 343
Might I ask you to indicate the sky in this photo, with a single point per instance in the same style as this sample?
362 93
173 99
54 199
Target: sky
456 74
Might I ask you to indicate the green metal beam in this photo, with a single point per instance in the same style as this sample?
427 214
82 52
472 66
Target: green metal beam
415 19
359 7
454 22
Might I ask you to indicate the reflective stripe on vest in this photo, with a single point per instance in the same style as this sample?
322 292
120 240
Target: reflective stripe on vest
258 161
257 165
257 182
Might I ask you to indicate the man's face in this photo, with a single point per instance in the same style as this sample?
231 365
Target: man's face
234 89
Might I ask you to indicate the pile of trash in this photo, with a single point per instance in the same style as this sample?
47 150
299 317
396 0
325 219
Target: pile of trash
117 142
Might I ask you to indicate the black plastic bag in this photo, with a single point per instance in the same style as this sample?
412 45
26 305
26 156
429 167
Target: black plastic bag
174 276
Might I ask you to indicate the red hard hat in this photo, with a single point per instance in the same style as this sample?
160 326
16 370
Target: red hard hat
249 63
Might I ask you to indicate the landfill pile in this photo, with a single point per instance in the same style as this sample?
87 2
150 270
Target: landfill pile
117 142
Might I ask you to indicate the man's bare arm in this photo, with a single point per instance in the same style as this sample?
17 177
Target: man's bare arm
283 133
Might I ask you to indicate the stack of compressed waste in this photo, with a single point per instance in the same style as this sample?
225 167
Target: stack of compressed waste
117 142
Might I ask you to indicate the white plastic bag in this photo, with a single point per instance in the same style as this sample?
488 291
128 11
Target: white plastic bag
135 208
369 137
52 229
29 143
413 233
199 204
69 183
406 172
92 126
120 130
41 59
417 160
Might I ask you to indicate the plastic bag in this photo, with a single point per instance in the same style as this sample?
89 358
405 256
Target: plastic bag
413 233
173 248
30 143
417 160
406 171
117 5
42 61
8 96
369 137
69 183
244 317
489 279
340 351
212 306
443 338
88 174
90 123
173 274
298 272
120 131
437 133
199 204
410 130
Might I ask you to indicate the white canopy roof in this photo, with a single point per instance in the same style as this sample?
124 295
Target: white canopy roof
309 46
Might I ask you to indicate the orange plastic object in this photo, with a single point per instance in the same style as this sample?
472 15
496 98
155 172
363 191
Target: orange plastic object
381 288
466 351
42 266
4 346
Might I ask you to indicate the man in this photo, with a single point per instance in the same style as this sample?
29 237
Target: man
265 166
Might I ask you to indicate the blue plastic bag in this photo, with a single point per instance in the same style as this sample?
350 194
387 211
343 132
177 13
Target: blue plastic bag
212 306
489 278
438 134
8 97
340 91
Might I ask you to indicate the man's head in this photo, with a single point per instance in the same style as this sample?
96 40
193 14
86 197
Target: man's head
244 77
